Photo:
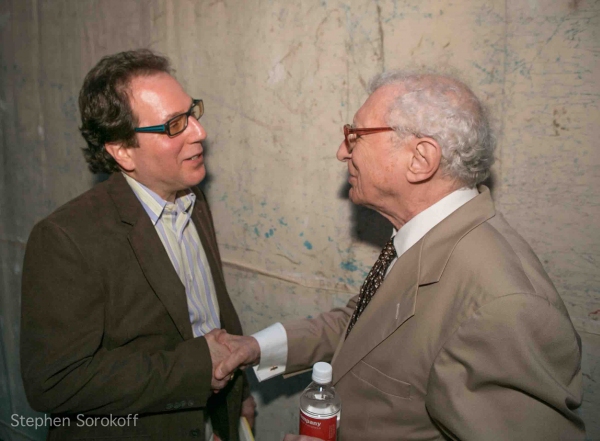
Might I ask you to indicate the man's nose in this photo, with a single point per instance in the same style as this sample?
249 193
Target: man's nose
197 128
343 154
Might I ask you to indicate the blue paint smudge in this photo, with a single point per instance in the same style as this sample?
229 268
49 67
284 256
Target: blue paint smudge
282 222
256 231
269 233
349 265
301 234
308 245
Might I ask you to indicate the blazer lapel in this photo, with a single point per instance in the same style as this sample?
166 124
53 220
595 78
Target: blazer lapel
151 255
393 304
423 264
202 220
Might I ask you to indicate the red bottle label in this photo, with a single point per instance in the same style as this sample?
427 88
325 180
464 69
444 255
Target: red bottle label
322 428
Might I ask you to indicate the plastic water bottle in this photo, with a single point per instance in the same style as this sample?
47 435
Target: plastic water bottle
320 405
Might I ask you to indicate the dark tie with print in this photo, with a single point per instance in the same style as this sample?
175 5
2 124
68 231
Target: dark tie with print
373 282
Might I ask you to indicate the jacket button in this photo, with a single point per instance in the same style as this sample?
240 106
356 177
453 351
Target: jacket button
169 406
195 433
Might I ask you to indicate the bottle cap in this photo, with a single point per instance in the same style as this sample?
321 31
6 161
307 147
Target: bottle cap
322 373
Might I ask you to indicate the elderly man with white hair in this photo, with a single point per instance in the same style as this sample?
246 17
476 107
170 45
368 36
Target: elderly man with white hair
457 332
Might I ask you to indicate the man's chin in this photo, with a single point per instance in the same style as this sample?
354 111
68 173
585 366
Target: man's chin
200 175
353 197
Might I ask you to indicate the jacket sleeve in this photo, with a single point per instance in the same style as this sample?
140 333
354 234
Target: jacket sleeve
313 340
511 371
65 366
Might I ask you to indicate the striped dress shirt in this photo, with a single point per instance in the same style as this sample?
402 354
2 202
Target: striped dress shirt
179 236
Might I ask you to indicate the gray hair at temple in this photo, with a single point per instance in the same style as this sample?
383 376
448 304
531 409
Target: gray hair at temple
445 109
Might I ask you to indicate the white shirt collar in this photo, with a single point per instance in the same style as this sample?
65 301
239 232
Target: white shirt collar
154 204
412 231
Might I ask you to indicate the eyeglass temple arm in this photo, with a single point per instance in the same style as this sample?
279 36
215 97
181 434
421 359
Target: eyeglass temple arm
371 130
160 128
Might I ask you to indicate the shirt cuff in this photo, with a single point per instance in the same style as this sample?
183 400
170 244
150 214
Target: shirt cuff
273 351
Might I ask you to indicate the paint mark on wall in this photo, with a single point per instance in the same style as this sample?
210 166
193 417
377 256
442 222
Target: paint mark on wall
308 245
276 74
269 233
559 121
349 265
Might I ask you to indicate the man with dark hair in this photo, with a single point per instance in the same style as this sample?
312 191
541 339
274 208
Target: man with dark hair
123 291
457 332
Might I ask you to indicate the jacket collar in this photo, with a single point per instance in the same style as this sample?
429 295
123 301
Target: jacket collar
440 242
150 254
155 262
422 264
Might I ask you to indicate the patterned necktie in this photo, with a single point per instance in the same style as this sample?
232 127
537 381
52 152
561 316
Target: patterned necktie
373 282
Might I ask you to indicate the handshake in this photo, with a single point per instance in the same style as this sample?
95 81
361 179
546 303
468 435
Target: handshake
229 353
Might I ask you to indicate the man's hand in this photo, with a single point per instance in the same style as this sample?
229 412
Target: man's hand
218 353
290 437
245 352
249 410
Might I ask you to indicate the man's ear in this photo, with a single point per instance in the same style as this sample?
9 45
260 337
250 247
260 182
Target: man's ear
121 154
426 155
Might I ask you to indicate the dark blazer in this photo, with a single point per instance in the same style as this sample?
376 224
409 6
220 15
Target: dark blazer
105 326
466 338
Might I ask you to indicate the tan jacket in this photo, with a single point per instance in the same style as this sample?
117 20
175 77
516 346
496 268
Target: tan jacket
467 338
105 326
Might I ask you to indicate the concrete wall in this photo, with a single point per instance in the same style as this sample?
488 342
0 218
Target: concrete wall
279 79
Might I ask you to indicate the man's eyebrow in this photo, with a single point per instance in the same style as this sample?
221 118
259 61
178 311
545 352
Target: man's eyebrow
174 114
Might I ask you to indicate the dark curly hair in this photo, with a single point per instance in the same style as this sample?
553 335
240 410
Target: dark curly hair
106 114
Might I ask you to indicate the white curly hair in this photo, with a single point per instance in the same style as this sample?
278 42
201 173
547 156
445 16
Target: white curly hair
445 109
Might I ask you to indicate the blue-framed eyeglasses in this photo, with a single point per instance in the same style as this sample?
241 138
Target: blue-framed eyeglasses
178 123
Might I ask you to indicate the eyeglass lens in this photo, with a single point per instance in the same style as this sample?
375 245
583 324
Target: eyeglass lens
350 137
179 123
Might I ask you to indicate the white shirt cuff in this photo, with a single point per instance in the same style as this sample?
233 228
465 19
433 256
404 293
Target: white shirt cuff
273 351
